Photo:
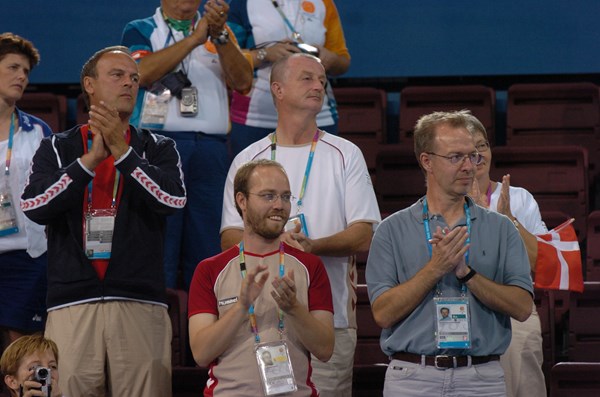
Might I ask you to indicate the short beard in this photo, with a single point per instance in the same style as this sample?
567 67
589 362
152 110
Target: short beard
269 235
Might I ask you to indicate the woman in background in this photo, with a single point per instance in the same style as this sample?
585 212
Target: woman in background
22 242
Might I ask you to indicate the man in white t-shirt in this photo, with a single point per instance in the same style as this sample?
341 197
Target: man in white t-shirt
336 209
522 361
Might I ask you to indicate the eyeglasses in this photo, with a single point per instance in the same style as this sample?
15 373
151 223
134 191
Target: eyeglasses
474 158
483 146
272 197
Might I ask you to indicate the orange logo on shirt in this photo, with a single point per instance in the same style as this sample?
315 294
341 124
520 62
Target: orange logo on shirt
308 6
210 47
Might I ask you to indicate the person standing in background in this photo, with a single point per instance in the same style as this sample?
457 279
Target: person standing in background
522 361
336 211
270 30
23 244
187 60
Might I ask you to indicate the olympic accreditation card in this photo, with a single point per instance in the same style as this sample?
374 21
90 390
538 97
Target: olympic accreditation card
452 323
99 226
294 221
275 367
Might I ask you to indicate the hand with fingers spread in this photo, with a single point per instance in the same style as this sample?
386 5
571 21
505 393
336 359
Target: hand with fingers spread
253 284
284 292
448 249
105 121
504 200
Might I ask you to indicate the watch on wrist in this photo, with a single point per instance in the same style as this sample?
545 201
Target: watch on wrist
222 38
261 54
468 276
515 222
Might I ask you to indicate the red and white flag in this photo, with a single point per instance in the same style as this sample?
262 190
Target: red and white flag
558 263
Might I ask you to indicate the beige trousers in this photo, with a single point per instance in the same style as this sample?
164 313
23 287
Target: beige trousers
115 348
334 378
522 361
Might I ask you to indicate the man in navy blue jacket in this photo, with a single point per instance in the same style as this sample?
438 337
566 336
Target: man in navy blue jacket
104 190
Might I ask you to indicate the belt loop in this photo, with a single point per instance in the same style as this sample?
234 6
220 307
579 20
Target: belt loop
454 361
469 361
423 361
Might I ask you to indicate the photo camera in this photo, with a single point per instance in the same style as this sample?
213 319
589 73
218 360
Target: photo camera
307 49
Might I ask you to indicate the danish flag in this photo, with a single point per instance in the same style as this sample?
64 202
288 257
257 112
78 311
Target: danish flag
558 264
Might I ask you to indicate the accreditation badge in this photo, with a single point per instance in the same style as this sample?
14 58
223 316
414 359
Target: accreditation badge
98 232
275 368
453 323
294 221
156 106
8 214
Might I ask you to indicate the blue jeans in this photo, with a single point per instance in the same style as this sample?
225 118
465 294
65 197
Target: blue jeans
243 136
193 232
415 380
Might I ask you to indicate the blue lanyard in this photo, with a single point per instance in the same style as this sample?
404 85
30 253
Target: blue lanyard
309 162
251 314
295 34
11 134
428 234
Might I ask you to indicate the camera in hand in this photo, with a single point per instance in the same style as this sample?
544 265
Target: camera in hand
43 375
307 49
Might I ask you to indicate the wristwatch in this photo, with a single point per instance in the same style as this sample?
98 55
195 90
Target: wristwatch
222 38
261 54
516 223
467 277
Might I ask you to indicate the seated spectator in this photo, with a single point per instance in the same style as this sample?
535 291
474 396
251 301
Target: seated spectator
27 357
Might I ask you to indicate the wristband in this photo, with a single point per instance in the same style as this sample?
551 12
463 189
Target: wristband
466 278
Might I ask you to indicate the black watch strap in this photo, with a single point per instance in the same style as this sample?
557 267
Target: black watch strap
466 278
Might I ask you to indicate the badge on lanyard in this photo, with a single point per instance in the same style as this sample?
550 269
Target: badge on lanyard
275 367
8 215
156 106
294 221
98 231
453 323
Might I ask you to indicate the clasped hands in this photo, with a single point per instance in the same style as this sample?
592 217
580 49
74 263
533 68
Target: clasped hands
448 251
108 135
212 22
